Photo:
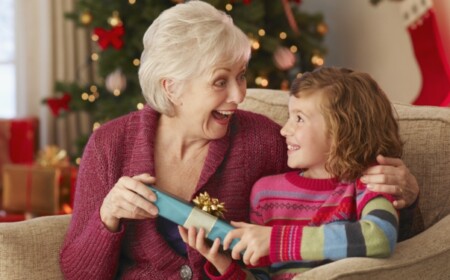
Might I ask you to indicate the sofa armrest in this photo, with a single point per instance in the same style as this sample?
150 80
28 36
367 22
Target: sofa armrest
424 256
30 249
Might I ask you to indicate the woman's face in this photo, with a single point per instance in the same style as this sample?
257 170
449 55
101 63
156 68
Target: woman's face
208 102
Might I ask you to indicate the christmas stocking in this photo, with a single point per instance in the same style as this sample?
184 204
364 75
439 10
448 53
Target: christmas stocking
428 48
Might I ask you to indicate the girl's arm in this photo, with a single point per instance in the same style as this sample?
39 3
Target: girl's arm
373 235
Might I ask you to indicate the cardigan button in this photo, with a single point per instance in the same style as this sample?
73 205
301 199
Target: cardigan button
185 272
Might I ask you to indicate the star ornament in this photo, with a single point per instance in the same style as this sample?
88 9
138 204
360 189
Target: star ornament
210 205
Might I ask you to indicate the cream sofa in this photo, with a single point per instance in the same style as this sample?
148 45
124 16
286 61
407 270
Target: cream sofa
29 250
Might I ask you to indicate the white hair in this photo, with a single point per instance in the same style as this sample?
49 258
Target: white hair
185 41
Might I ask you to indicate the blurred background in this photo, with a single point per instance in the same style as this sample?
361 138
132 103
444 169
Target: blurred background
68 66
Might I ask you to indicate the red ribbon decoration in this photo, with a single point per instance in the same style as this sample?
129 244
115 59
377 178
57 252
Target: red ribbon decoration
290 16
59 104
110 37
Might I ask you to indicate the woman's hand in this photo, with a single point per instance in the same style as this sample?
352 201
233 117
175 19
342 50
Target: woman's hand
392 177
129 198
254 242
211 253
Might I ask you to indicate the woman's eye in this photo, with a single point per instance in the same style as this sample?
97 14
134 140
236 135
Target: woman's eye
299 119
220 83
242 77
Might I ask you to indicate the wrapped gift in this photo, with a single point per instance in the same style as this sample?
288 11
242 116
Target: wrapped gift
18 141
186 214
46 187
33 189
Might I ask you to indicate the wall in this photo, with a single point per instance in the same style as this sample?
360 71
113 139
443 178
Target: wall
374 39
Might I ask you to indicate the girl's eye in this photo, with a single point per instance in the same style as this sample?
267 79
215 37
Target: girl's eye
299 119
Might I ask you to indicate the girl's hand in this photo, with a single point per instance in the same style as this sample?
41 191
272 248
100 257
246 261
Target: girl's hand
254 242
211 253
130 198
392 177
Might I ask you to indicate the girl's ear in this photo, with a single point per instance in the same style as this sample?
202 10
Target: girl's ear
169 89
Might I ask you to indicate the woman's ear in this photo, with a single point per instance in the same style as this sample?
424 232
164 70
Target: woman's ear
169 89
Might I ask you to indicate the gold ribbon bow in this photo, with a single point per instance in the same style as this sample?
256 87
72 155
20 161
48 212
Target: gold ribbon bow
52 156
210 205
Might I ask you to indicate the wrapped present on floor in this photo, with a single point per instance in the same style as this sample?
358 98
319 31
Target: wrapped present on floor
29 188
43 188
186 214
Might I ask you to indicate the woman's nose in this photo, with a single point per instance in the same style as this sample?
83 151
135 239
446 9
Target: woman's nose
237 95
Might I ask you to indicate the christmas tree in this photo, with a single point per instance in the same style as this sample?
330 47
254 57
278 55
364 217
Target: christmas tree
285 41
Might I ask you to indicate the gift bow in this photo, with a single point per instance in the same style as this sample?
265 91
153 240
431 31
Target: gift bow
52 156
59 103
210 205
110 37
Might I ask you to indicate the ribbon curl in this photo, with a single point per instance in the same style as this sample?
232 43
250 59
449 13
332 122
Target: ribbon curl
210 205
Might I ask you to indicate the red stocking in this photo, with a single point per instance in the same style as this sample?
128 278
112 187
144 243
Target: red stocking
429 52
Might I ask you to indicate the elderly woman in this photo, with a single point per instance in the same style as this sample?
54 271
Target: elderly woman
190 138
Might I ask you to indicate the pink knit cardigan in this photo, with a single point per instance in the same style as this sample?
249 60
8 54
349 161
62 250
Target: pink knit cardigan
253 148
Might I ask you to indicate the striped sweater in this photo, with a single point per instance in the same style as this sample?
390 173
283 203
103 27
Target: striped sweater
315 221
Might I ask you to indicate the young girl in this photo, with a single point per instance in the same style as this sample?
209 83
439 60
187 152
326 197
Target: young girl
339 121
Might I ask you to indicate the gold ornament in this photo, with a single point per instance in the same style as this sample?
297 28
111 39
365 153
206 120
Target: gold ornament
115 20
209 205
322 28
86 18
52 156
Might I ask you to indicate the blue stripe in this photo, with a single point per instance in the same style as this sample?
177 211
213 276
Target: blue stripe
360 195
389 230
335 241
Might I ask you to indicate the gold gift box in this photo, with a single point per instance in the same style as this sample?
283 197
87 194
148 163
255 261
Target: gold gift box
35 189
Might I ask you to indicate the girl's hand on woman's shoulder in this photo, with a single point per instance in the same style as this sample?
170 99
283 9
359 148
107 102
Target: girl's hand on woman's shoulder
129 198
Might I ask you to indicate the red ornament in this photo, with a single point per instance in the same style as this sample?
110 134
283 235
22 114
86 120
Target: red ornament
290 16
110 37
59 104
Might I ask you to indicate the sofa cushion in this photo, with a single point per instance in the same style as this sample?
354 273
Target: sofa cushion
30 249
426 133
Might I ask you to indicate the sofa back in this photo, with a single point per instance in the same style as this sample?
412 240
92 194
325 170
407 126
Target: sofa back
426 133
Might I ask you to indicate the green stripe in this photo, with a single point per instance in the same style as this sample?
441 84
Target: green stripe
312 243
377 243
379 203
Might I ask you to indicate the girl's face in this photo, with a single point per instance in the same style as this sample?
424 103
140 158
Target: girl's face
208 102
307 135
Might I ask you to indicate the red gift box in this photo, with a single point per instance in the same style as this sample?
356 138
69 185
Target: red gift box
18 141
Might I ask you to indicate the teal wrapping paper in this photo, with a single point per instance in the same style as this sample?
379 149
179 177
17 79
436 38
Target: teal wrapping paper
186 214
